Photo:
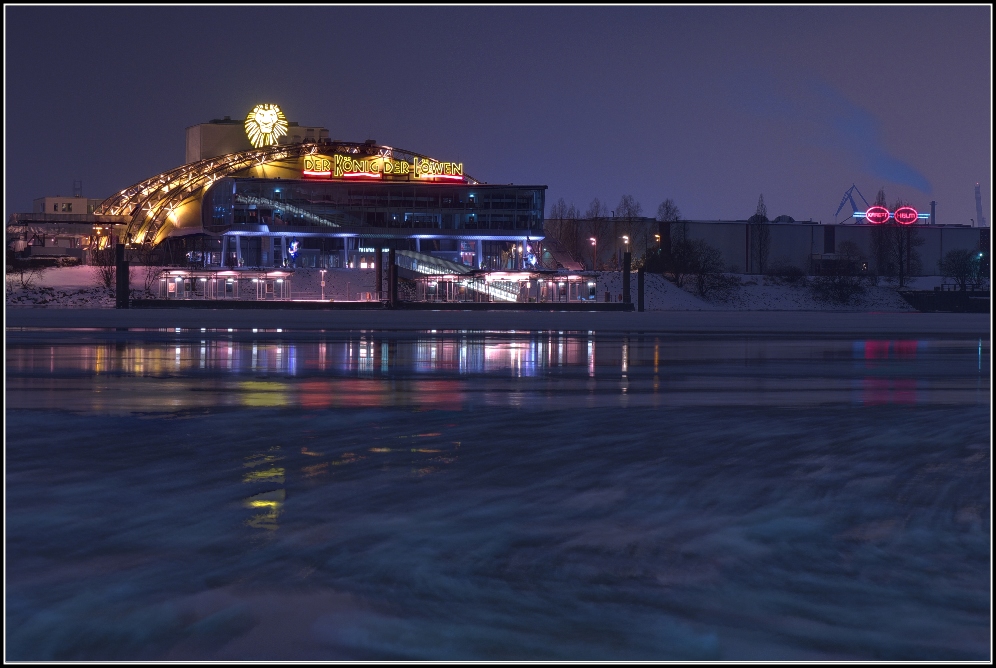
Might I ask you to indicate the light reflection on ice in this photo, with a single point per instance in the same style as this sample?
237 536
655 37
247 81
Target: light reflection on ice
540 370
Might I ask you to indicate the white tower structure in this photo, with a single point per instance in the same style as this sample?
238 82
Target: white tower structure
981 220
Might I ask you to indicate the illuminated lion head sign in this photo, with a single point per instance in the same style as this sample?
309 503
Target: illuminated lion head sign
265 124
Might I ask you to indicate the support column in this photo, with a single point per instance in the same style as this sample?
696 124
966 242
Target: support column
121 276
626 263
392 279
379 269
639 288
480 252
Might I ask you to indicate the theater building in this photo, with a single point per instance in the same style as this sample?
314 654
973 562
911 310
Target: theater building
296 198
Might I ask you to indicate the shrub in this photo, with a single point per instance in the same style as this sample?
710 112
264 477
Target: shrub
787 273
838 289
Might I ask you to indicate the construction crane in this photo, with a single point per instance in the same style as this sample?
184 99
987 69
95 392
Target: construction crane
849 196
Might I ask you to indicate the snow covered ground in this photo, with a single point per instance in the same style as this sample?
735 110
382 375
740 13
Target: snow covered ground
78 287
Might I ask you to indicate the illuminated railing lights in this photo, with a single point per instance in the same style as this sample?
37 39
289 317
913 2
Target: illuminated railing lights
449 177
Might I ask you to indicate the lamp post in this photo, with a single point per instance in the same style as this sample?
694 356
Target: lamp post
625 269
592 240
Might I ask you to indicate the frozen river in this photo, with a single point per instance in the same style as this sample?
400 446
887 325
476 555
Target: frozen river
262 494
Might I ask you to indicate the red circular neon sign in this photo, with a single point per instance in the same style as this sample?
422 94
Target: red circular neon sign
905 215
877 214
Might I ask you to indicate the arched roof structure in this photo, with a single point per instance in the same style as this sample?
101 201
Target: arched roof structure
152 203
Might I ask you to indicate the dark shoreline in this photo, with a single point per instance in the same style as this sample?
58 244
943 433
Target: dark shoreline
774 323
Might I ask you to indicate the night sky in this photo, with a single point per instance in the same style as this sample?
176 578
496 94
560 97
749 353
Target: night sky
708 105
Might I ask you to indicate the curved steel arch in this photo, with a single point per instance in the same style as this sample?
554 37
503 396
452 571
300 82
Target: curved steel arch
152 201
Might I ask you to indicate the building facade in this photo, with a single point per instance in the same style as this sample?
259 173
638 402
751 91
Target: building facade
339 224
747 248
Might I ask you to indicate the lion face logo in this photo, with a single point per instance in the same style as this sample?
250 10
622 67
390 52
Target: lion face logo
265 124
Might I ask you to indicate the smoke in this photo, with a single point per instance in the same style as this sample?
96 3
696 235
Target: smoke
826 118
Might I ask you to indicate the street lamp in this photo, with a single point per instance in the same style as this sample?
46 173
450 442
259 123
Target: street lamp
592 240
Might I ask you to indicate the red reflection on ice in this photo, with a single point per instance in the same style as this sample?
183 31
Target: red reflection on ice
877 350
906 349
315 394
880 350
445 394
877 391
368 393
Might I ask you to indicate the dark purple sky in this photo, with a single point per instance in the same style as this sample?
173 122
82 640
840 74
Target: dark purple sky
709 106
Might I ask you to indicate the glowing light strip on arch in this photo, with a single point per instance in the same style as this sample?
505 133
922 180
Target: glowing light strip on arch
151 202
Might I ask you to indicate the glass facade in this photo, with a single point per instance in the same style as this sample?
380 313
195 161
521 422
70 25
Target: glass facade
336 208
336 224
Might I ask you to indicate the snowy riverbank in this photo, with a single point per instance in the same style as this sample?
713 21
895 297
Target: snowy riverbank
77 287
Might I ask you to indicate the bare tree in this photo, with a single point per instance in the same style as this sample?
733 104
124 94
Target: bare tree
760 236
564 225
22 274
895 248
676 259
629 210
558 211
104 266
598 227
706 264
152 260
667 213
554 223
660 256
842 281
963 266
682 260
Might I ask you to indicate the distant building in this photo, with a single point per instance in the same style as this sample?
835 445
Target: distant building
65 205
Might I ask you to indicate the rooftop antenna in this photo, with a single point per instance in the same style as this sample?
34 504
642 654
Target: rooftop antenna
849 196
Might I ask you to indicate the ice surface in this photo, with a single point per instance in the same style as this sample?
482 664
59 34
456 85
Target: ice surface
523 506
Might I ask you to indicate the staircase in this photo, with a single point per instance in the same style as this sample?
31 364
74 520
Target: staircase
561 255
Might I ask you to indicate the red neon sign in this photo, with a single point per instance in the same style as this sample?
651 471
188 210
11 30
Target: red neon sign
877 215
313 173
905 215
361 175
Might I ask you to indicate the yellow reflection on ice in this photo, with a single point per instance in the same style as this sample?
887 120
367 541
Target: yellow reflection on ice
257 460
270 504
261 394
275 474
